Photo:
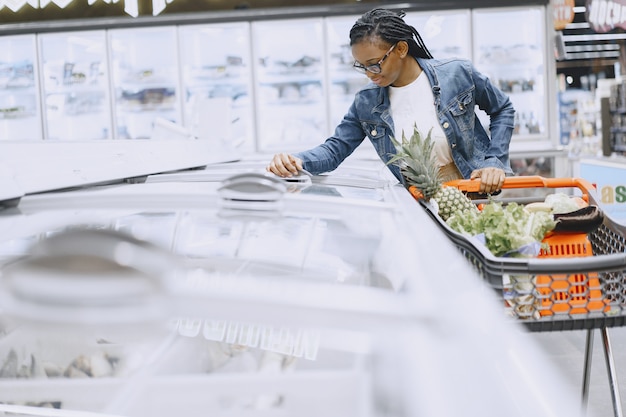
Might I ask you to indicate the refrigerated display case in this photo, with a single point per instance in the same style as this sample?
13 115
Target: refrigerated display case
76 85
283 83
343 81
216 80
20 117
145 76
516 61
289 62
192 294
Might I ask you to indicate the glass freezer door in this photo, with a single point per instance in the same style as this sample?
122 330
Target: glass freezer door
76 88
289 70
19 111
445 33
217 81
514 60
144 66
344 81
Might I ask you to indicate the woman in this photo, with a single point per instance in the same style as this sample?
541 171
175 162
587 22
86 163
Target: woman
409 88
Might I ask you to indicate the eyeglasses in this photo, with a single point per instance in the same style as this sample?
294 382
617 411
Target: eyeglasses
374 68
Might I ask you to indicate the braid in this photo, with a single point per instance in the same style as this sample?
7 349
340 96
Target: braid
390 27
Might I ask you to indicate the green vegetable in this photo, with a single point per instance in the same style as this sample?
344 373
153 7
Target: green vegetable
506 228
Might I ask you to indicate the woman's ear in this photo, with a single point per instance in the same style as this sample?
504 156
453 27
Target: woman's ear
403 48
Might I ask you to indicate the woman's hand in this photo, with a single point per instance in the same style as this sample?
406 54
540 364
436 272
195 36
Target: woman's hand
491 179
285 165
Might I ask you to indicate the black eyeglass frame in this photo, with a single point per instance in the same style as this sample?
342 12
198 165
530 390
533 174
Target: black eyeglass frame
373 68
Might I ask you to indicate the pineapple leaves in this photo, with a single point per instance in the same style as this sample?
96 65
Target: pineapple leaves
412 148
414 157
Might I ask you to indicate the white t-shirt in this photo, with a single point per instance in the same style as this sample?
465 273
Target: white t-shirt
413 105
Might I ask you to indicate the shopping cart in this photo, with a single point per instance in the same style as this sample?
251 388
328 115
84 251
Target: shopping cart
579 284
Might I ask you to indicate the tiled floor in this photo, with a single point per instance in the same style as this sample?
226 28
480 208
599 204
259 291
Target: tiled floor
568 350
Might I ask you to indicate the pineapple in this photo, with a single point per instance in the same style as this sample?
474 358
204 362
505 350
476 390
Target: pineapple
416 162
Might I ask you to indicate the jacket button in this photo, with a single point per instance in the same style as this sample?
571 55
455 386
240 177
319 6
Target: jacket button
374 132
446 125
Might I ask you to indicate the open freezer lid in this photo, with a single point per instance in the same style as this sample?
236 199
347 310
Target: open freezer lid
35 167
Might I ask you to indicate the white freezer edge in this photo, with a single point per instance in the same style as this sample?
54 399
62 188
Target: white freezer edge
33 167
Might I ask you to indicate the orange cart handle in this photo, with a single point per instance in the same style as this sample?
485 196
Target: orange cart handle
531 181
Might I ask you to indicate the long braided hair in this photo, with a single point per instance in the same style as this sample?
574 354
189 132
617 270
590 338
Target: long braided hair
389 26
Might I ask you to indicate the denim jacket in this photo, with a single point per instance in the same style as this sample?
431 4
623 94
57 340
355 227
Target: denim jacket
457 88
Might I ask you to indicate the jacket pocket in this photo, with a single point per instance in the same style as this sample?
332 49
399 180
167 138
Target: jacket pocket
462 109
374 131
377 133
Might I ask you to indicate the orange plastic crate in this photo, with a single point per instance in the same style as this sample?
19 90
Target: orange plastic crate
577 293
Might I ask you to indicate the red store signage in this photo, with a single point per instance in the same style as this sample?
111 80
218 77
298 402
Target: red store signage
606 15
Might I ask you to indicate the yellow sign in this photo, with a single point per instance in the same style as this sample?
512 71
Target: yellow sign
563 13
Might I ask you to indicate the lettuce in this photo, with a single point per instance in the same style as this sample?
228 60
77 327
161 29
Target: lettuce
506 230
561 203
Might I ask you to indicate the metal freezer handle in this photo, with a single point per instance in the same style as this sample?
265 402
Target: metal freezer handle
252 191
87 275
